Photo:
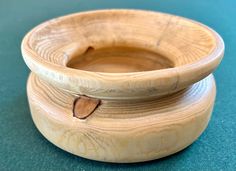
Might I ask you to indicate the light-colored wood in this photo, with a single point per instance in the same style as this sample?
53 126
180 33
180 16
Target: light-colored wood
123 131
121 85
120 59
189 50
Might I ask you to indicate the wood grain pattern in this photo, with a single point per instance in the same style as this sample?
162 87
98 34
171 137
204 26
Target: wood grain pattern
192 52
123 131
119 60
146 77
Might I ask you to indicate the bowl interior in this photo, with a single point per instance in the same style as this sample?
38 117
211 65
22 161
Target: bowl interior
119 59
122 41
122 54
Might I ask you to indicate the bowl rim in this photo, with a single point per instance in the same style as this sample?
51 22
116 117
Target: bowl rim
72 80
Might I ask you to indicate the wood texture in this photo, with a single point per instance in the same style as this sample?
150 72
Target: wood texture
124 131
84 106
146 77
119 60
189 50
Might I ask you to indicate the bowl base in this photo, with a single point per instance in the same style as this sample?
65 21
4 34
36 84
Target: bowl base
122 131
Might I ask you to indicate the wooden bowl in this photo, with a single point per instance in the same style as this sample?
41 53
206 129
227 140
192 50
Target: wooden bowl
99 79
104 54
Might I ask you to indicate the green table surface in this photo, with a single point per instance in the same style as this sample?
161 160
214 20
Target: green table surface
22 147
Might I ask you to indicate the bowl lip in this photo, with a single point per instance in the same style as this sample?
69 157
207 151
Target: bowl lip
49 70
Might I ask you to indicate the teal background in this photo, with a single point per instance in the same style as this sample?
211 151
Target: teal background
22 147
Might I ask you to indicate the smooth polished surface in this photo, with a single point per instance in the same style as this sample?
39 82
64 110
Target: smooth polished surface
122 131
193 49
156 127
23 148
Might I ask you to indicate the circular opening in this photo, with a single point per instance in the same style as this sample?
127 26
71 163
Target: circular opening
177 51
119 60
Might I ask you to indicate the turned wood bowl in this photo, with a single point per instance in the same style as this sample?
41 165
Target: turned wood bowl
121 85
122 54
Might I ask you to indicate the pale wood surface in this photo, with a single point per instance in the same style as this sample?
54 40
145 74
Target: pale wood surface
120 64
188 49
123 131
